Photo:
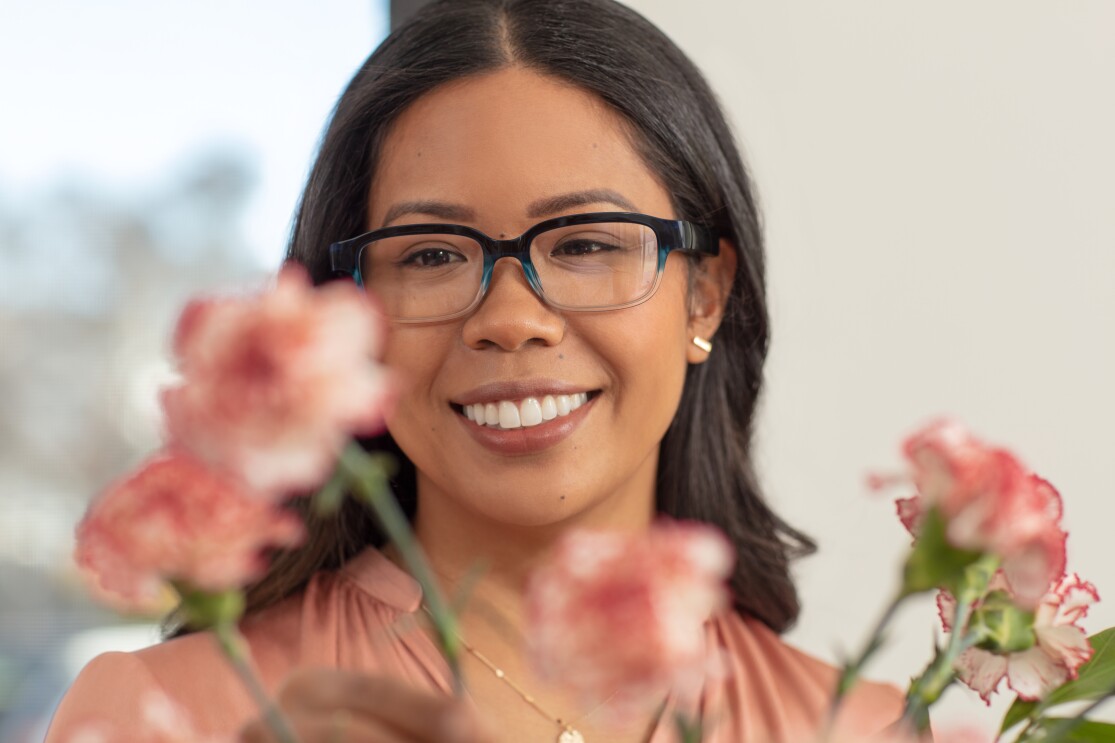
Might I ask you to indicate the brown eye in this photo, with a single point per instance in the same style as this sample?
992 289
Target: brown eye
582 247
431 258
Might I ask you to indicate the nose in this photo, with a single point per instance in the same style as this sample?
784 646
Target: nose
511 316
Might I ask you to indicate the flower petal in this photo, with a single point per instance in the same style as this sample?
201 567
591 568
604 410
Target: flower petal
1034 673
1076 597
1067 644
909 512
946 607
981 670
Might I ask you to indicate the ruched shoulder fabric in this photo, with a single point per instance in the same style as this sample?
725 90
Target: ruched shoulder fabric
362 618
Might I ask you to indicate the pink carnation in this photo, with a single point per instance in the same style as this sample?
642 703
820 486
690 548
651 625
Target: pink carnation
991 503
1061 646
275 384
176 519
618 611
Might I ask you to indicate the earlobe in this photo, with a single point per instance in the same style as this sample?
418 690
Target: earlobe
712 287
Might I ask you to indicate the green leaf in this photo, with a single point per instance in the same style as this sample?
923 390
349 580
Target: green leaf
1095 679
1019 711
1082 731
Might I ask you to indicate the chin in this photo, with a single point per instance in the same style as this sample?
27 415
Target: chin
530 509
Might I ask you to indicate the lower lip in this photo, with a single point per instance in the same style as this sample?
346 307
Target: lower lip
530 439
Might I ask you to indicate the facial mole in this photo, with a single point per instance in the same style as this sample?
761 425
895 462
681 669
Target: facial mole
502 235
563 497
561 357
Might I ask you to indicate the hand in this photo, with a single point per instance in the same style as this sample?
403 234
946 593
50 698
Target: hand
329 706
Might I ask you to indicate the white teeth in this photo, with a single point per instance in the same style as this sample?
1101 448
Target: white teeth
530 412
563 404
524 413
549 408
508 415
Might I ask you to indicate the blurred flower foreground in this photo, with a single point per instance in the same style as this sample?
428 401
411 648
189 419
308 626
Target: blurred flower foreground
273 386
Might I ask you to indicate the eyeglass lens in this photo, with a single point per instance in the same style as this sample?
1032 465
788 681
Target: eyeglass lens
588 266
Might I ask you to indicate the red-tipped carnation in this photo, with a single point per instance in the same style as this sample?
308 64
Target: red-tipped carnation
991 503
274 384
1060 647
175 519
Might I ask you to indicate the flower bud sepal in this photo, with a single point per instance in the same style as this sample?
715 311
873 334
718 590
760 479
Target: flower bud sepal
934 562
1000 626
205 609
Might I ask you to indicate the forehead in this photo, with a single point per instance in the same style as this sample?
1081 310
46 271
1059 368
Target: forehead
498 142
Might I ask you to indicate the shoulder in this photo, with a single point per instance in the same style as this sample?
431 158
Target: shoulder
190 671
107 690
786 686
339 619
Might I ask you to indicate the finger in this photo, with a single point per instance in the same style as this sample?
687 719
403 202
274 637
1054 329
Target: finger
416 714
341 727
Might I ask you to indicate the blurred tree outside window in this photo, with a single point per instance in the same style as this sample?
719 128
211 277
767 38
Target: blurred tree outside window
141 163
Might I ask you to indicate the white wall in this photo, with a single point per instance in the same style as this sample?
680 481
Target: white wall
939 188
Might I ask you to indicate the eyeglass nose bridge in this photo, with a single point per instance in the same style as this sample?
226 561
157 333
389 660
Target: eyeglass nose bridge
517 248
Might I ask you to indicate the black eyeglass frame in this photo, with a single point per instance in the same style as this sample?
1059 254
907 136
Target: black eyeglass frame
671 235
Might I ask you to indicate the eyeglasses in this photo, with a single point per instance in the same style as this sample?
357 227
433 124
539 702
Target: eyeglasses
583 263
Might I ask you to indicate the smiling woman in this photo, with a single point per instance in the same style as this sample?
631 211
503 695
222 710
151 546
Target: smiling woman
604 373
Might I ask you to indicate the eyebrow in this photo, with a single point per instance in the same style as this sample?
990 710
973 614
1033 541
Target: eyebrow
539 208
562 202
440 209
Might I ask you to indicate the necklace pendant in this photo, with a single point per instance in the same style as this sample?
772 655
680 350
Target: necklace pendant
569 735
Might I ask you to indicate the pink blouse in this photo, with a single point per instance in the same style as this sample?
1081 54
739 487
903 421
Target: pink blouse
349 619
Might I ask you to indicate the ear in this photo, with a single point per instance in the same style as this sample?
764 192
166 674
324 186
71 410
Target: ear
712 283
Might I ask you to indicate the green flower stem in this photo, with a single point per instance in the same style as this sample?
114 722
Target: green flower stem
689 731
939 675
232 644
369 479
851 671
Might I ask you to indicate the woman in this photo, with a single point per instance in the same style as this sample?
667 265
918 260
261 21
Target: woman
503 117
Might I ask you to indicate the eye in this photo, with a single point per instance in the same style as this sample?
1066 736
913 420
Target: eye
582 247
431 258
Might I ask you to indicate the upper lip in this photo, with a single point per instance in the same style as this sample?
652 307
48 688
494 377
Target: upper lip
517 390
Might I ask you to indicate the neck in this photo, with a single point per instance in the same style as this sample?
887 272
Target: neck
489 561
484 563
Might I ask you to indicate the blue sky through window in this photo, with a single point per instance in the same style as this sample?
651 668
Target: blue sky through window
123 93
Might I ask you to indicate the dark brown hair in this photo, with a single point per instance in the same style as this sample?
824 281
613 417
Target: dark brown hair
706 470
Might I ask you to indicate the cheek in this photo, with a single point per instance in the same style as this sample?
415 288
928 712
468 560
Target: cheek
415 357
648 344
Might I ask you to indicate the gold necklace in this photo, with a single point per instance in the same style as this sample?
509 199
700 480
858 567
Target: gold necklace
568 734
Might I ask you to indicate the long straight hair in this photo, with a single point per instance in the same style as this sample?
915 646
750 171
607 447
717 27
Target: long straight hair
706 471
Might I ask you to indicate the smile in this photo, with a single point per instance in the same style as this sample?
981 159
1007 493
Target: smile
525 413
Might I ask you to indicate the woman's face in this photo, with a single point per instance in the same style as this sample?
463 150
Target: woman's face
500 153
